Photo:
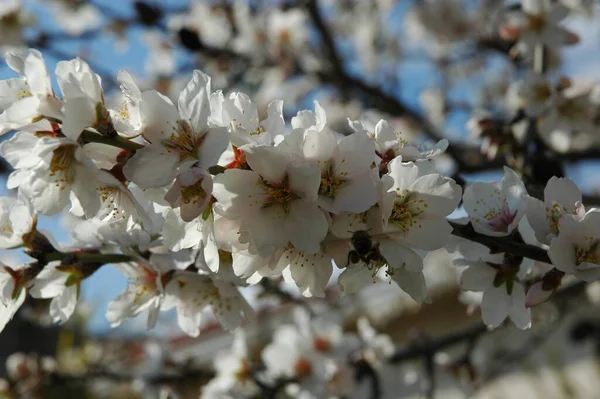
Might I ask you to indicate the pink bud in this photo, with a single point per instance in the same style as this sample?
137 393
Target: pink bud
509 32
537 295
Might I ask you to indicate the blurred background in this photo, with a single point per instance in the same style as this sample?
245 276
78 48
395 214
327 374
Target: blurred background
434 69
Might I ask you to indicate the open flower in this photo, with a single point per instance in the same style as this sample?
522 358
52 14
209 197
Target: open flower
241 114
191 193
503 293
62 283
146 290
347 181
195 292
24 101
234 375
276 201
415 203
17 221
561 197
499 277
576 250
83 99
52 171
495 209
13 286
179 137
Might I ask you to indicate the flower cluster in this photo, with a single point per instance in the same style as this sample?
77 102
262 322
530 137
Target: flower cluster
206 196
311 358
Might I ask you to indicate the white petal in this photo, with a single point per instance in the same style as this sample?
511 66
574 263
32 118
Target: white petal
152 166
306 226
354 277
519 314
63 306
495 305
159 116
193 101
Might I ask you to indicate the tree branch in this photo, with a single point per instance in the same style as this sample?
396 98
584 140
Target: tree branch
500 244
116 141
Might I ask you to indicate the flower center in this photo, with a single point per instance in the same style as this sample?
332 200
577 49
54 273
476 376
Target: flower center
321 344
184 141
6 227
193 194
407 211
570 109
109 196
243 373
302 367
279 194
330 183
536 22
542 92
11 20
553 214
500 219
258 131
23 94
588 254
63 158
239 160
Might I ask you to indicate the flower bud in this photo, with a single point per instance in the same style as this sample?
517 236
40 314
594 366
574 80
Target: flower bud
537 295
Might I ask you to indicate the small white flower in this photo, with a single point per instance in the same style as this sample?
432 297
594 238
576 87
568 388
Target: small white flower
566 115
537 23
495 209
241 114
376 348
234 374
503 293
13 284
415 203
52 171
398 262
62 284
26 100
561 197
74 17
17 220
146 290
127 120
83 98
191 193
536 93
291 355
347 180
118 204
194 292
576 250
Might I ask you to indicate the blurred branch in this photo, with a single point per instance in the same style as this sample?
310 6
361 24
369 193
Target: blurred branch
365 370
167 378
429 347
469 159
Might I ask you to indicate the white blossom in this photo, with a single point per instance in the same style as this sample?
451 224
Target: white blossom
495 209
561 197
276 201
179 137
575 250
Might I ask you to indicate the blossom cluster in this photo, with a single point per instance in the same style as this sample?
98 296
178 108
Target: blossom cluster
195 200
311 358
